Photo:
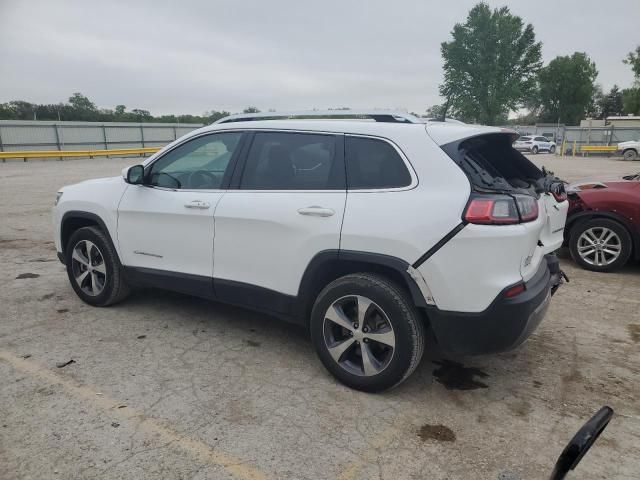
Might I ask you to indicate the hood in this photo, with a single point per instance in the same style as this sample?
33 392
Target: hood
630 143
607 181
94 181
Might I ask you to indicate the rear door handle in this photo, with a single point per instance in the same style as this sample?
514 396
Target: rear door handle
197 204
316 211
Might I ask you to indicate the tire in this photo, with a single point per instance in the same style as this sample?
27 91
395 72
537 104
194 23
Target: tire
534 150
630 154
552 149
90 256
389 313
600 259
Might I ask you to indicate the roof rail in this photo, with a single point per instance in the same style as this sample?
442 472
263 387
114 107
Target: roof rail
388 116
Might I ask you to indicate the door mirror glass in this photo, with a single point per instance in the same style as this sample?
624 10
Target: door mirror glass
135 175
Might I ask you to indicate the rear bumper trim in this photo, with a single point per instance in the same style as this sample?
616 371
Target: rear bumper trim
505 324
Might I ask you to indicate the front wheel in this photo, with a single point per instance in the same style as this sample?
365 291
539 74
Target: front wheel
93 268
630 154
552 149
367 332
600 244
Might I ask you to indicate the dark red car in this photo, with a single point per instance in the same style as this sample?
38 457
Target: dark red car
603 223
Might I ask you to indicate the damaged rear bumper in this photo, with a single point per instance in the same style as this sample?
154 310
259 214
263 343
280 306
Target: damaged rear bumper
506 323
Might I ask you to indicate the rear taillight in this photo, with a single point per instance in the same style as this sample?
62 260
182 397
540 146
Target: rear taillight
501 209
528 207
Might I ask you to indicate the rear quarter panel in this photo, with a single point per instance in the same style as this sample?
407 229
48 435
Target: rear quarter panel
406 223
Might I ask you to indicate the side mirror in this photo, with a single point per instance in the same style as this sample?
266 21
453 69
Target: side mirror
135 175
581 443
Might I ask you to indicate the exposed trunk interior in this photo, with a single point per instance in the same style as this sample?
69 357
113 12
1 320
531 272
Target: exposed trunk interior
492 164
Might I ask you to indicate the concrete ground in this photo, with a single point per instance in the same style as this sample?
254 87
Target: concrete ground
164 386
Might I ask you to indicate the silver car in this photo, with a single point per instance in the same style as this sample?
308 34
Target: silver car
534 144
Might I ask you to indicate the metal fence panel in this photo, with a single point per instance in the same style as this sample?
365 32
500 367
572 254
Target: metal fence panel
47 135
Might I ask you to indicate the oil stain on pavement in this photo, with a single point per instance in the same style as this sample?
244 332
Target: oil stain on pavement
455 376
440 433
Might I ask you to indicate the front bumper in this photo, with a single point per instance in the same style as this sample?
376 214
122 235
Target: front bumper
505 324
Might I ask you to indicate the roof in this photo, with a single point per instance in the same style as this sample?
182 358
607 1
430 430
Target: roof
629 117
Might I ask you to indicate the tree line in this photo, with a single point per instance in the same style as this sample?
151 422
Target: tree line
493 67
80 108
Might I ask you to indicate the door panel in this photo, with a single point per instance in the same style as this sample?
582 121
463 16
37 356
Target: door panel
262 239
167 224
288 207
167 229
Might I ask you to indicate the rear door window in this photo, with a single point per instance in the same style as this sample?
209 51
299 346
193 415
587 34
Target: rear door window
374 164
293 161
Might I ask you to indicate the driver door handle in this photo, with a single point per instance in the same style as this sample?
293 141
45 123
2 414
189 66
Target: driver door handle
316 211
197 204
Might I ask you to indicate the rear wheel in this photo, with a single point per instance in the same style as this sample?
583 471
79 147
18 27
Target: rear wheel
534 150
630 154
600 244
93 268
367 332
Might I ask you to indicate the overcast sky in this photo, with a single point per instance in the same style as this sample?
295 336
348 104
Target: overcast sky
282 54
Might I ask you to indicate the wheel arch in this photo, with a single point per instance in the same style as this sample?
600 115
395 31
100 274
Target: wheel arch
329 265
587 215
76 219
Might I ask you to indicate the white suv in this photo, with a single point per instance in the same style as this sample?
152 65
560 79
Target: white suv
369 232
534 144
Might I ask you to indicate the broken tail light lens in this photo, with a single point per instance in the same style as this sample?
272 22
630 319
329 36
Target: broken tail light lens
528 207
492 210
501 209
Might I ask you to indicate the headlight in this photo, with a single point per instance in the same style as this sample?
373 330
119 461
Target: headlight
58 197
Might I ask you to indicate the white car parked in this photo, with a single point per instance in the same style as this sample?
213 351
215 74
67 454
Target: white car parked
630 150
534 144
368 232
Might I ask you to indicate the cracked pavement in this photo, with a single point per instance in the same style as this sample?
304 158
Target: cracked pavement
168 386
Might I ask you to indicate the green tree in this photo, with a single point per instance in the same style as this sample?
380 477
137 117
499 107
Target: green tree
435 111
490 65
631 101
251 110
633 59
631 96
566 88
594 108
611 103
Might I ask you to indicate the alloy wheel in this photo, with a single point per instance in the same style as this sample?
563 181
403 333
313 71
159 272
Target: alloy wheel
358 335
599 246
88 268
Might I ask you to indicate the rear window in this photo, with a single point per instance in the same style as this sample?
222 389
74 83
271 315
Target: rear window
491 162
524 139
373 163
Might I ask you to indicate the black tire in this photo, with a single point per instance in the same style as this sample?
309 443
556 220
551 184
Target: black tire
534 150
552 149
630 154
406 323
115 288
599 223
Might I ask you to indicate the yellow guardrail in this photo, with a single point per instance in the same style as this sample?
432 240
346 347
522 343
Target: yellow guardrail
76 153
598 148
